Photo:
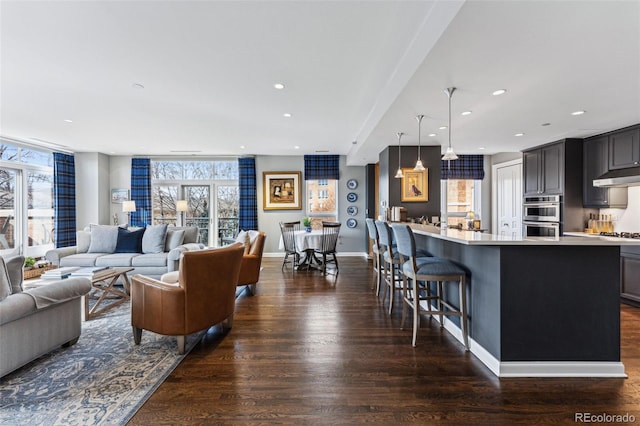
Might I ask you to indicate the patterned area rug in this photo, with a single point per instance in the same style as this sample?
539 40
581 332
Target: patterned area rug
101 380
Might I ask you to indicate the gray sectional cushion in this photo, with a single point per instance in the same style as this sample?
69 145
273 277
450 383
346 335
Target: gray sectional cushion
190 234
5 284
175 237
116 260
151 259
104 239
81 259
15 271
83 241
153 238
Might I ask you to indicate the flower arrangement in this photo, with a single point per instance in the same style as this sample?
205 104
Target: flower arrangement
306 222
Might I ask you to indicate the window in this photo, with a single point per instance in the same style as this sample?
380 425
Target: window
322 207
460 196
210 189
26 199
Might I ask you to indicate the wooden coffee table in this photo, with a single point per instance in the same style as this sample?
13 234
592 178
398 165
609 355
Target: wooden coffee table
103 286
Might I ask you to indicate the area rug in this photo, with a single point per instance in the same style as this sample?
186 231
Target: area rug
101 380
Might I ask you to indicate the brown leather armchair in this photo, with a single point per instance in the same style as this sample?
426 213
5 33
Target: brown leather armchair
203 296
251 264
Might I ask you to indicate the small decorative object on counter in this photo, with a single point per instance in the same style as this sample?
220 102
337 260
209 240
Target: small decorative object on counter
306 222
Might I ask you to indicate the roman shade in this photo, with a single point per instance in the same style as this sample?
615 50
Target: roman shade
321 167
465 167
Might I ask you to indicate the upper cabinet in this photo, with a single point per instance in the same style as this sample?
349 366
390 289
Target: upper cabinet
624 149
544 170
596 163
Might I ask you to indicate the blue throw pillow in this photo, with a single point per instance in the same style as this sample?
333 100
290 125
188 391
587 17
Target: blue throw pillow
129 241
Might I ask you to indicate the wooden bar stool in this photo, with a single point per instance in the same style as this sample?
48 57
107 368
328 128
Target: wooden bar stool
390 261
375 247
429 269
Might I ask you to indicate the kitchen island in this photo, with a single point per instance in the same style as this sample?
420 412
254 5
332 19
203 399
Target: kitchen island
538 307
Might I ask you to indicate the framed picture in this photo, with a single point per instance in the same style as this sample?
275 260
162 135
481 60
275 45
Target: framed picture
119 195
415 185
282 191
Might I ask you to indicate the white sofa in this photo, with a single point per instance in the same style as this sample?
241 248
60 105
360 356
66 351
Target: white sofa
33 322
99 245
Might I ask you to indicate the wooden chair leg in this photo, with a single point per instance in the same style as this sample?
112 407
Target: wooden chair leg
464 325
181 344
137 335
228 323
440 307
405 300
392 286
416 312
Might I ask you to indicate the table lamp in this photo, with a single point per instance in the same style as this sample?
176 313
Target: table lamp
182 206
128 207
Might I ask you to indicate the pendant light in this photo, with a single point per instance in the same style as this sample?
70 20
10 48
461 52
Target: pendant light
399 172
449 154
419 167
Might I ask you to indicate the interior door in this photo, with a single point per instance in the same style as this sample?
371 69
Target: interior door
508 199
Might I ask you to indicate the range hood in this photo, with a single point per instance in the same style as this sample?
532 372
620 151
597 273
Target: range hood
619 178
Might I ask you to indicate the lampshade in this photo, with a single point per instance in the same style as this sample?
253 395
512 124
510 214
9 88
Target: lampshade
128 206
449 154
181 206
399 172
419 167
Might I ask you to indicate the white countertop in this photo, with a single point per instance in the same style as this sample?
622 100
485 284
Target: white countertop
481 238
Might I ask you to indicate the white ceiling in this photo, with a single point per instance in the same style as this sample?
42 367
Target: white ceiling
356 73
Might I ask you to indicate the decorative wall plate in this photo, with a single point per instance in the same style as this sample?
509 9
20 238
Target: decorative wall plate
352 210
352 197
352 184
352 223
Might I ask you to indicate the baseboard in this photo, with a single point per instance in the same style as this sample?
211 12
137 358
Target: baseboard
537 368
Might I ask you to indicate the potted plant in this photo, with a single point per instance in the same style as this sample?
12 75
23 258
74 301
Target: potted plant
29 262
306 222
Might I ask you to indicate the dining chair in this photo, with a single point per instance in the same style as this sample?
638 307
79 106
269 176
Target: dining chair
288 230
390 262
330 232
375 247
427 269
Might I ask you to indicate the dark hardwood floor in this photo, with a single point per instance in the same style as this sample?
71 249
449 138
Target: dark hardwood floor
308 349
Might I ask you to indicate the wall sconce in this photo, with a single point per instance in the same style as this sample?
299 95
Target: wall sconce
128 207
182 206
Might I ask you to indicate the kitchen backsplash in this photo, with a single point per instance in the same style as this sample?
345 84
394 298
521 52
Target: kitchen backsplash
627 220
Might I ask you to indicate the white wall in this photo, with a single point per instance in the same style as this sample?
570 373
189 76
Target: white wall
627 220
119 178
92 188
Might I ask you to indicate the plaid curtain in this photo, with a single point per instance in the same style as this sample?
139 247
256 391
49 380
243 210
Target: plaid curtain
64 199
465 167
248 206
141 191
321 167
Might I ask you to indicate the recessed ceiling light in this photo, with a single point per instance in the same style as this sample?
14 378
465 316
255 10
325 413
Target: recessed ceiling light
137 86
279 86
442 127
286 114
499 92
519 134
242 147
296 147
466 113
578 112
545 124
68 121
481 148
433 134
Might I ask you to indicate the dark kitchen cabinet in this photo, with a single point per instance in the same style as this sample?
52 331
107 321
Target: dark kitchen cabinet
596 163
624 149
630 274
544 170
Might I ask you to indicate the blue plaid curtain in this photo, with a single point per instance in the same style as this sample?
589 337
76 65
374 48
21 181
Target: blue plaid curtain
248 208
64 199
465 167
141 191
321 167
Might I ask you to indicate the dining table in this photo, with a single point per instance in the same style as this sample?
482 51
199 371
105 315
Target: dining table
307 242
